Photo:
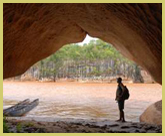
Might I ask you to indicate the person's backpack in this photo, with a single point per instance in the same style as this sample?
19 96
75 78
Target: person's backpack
125 93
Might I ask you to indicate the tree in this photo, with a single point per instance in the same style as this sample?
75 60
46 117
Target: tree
97 58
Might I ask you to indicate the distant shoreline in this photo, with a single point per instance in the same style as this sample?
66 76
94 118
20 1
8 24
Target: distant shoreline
71 81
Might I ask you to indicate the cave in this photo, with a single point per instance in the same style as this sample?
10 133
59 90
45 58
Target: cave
32 32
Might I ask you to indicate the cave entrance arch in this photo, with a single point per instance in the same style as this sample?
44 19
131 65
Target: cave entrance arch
34 31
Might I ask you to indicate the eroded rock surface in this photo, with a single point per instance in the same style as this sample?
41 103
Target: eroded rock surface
34 31
153 114
81 126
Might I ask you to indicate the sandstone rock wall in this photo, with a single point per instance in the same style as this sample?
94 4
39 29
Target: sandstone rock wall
34 31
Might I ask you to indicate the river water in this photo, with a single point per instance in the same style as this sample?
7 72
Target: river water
80 100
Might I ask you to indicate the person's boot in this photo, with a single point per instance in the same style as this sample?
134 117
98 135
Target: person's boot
120 117
123 118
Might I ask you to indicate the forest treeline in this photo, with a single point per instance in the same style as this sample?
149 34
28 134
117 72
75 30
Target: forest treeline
95 60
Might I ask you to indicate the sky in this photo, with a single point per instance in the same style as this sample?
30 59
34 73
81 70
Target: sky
87 40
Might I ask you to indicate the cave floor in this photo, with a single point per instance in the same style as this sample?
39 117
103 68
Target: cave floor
80 126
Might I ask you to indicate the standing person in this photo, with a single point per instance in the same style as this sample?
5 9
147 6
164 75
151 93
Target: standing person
119 98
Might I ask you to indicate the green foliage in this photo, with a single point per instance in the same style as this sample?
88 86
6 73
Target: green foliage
5 126
19 127
93 51
29 124
97 58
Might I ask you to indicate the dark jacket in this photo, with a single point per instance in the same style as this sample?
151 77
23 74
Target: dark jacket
119 93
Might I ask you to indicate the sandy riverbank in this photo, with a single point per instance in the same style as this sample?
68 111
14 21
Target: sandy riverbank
80 126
